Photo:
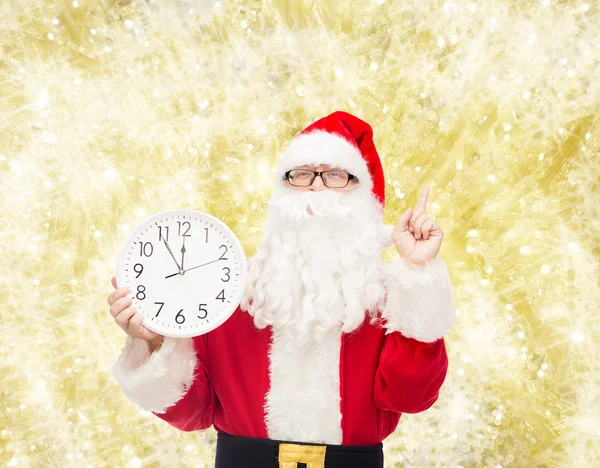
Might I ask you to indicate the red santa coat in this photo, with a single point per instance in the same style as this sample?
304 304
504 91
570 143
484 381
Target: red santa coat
351 389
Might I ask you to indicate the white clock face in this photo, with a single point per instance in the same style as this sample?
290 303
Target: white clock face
186 271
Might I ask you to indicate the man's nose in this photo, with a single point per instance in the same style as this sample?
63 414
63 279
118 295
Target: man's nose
317 184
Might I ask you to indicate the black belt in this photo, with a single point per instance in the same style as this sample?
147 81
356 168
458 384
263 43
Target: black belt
246 452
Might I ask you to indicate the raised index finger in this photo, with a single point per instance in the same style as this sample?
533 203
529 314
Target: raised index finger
422 203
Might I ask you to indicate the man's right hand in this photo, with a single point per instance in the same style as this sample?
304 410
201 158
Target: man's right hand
128 319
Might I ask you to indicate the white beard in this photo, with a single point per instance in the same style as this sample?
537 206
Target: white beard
317 270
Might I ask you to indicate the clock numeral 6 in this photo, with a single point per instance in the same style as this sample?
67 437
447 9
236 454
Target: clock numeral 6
141 289
144 251
203 311
179 318
141 268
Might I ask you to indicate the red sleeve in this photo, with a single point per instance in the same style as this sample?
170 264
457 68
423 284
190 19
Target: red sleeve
196 409
413 363
172 382
409 374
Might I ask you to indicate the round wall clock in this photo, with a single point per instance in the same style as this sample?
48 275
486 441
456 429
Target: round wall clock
186 271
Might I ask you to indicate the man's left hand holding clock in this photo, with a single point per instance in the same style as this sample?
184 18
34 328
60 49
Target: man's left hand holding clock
128 319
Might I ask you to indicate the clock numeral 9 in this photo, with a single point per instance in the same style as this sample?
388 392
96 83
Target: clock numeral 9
179 318
185 234
203 311
228 277
141 289
144 251
141 268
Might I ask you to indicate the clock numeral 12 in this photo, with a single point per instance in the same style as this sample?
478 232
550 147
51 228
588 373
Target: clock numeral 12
185 234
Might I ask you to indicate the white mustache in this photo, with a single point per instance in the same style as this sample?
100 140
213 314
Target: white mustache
304 206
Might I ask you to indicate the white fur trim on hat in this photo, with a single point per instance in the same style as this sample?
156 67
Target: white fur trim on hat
419 301
158 380
322 147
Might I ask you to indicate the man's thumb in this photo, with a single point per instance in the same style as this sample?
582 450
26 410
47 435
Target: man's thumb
402 224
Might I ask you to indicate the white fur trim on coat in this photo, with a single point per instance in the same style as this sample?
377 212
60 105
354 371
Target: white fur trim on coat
158 380
386 235
321 147
419 302
303 402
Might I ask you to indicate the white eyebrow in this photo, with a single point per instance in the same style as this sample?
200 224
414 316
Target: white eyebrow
311 168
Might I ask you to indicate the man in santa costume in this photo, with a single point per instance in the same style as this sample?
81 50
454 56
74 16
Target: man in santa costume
330 344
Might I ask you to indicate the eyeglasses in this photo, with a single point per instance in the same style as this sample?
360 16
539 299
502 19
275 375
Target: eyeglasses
331 179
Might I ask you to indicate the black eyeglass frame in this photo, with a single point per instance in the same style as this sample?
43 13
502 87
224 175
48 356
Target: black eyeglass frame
317 174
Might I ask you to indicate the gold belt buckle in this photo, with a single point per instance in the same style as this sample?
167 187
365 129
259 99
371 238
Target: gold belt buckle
292 454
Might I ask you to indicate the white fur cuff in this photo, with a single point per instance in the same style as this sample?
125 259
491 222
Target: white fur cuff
158 380
419 301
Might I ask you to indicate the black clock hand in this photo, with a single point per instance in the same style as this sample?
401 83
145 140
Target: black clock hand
182 252
198 266
193 268
169 249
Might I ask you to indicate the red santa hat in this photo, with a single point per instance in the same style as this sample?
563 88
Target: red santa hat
340 140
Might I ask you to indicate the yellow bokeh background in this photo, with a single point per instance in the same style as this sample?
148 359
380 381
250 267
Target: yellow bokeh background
113 110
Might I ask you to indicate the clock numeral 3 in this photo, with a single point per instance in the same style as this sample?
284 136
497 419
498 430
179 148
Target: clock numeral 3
179 318
221 296
160 236
223 254
185 234
141 289
228 277
160 308
203 311
141 268
144 251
